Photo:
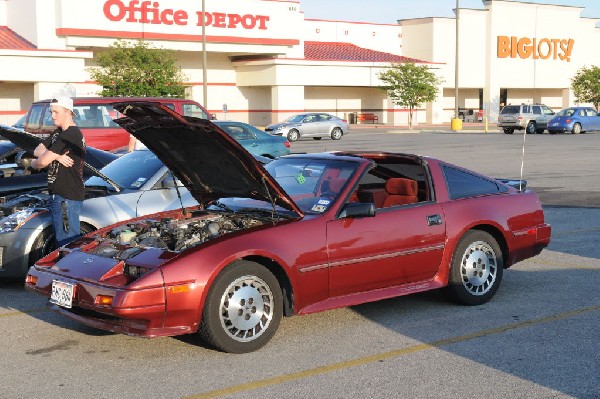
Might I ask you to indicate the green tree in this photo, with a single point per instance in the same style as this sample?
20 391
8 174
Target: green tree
586 86
410 85
137 69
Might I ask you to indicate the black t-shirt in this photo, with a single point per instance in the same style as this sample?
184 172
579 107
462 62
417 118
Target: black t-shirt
67 182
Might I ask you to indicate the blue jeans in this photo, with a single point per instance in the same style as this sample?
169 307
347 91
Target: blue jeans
65 219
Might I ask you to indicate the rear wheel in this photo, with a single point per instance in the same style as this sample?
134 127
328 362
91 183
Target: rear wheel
293 135
476 269
508 130
243 308
336 133
576 128
531 128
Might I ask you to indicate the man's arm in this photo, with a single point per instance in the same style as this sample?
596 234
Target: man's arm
39 150
44 159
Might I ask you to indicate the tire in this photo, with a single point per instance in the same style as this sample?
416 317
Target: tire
317 138
243 308
293 135
539 131
508 130
552 131
530 129
576 128
476 269
336 133
42 246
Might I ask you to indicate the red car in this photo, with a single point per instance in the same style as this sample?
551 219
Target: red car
301 234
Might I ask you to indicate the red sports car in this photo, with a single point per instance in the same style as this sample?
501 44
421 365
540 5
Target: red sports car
302 234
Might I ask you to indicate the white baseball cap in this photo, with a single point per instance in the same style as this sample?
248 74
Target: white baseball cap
65 102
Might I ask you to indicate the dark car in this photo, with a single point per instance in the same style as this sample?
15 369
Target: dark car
303 234
575 120
255 140
15 158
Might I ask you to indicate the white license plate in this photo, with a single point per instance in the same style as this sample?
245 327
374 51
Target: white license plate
62 294
555 124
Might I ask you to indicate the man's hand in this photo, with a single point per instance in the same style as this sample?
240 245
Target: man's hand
65 160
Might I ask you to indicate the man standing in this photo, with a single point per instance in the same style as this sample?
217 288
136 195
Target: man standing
64 153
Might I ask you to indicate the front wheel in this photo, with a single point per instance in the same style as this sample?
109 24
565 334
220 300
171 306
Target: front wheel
530 129
293 135
576 128
243 308
336 133
476 269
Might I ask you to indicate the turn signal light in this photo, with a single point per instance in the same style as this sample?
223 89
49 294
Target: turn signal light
103 300
31 280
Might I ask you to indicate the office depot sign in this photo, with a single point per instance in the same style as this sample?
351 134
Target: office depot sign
526 47
151 12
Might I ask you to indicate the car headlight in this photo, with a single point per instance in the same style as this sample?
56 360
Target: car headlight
16 220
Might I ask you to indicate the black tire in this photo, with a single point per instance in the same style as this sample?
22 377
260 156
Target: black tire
552 131
293 135
336 133
539 131
531 128
254 294
509 130
476 269
317 138
576 128
42 246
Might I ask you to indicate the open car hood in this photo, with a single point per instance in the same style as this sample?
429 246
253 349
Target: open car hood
207 160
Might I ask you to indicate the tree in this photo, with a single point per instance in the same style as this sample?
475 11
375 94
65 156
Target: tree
410 85
137 69
586 86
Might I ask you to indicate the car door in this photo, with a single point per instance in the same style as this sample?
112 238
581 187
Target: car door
399 245
593 119
309 125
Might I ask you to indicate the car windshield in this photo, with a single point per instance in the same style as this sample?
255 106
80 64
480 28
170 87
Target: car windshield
313 184
566 112
295 118
131 171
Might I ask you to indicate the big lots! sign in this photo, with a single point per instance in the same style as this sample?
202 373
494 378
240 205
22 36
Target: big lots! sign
525 47
150 12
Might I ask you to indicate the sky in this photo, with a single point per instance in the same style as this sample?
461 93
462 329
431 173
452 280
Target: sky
389 11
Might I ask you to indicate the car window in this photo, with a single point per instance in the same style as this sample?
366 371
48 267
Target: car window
537 110
324 117
238 132
95 116
591 112
130 171
194 110
547 111
47 122
295 118
462 184
310 119
34 120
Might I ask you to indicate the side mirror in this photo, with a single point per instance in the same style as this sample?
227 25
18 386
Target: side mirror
358 209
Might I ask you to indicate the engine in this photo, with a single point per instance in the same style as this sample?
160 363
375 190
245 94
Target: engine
129 239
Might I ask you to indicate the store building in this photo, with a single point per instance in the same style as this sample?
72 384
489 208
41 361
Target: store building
266 61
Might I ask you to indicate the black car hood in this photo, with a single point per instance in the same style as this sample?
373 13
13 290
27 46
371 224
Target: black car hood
207 160
21 138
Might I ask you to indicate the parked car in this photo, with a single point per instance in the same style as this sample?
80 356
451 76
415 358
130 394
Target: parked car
15 174
305 233
255 140
20 123
94 116
310 124
533 118
575 120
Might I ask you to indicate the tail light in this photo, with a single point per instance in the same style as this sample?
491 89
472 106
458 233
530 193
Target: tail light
520 118
345 121
568 120
31 280
286 143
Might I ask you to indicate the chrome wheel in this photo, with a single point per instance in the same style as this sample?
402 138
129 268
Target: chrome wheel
336 133
530 128
576 128
246 308
293 135
479 268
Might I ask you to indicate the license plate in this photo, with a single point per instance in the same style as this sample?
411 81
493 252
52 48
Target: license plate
62 294
555 124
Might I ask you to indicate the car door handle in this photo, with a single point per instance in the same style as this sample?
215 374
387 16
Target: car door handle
433 220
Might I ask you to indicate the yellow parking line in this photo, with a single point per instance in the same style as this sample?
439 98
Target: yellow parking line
21 313
386 355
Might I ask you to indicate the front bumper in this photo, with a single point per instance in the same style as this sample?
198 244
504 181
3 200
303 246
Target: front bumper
14 254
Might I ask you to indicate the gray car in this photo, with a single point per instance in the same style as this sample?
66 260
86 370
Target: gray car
136 184
310 124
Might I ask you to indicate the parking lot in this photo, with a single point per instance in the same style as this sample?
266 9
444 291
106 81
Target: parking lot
538 337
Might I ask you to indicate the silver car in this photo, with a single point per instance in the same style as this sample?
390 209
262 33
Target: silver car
310 124
136 184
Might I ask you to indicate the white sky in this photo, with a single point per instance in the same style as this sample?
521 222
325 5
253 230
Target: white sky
389 11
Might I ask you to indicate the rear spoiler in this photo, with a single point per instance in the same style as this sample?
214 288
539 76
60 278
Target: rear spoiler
520 185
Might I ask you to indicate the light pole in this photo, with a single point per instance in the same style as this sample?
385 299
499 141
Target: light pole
204 78
456 122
